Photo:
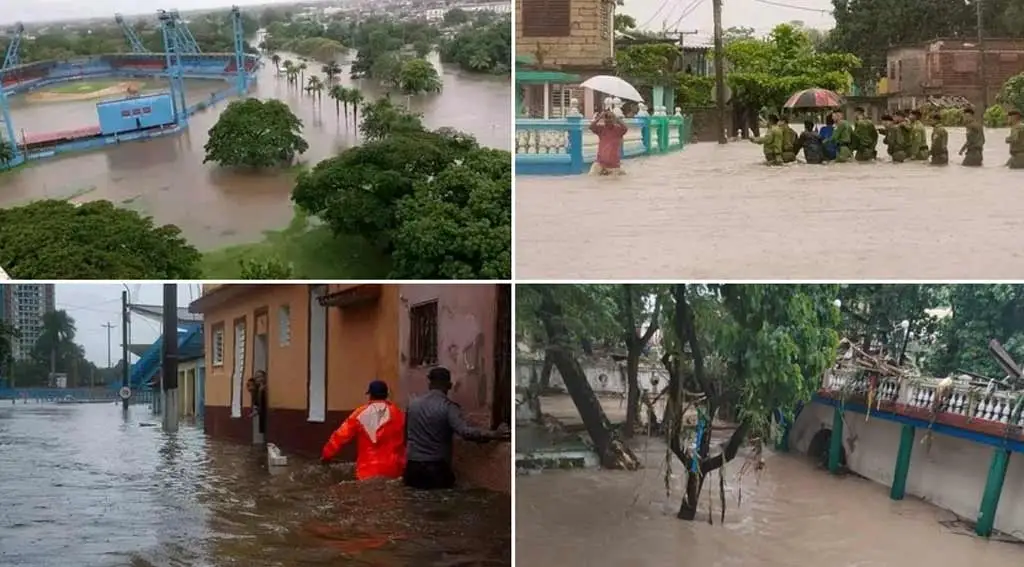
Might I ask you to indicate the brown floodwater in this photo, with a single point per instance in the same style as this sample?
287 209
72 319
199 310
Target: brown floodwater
84 485
715 211
166 178
791 514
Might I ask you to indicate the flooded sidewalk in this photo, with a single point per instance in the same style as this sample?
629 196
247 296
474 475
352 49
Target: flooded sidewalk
715 211
82 485
793 514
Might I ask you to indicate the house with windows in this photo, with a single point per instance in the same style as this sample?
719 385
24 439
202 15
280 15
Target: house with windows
320 346
560 43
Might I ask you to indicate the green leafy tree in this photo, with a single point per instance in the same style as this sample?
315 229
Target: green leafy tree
481 48
766 72
624 22
56 342
456 16
979 314
52 239
315 86
1012 93
276 60
331 71
381 118
419 76
995 116
6 153
255 133
648 64
457 225
873 313
7 335
268 269
381 189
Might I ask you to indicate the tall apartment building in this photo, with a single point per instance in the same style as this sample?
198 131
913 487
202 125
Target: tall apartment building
23 307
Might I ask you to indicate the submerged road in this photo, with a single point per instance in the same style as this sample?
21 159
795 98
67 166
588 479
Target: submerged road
715 211
81 485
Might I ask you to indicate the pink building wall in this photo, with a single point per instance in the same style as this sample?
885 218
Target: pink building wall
466 323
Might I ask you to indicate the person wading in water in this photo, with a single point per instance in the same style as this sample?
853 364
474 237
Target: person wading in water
431 422
610 131
378 427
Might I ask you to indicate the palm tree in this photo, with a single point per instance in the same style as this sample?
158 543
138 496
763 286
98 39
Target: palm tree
340 95
292 74
302 72
56 338
331 71
7 333
277 61
316 87
356 98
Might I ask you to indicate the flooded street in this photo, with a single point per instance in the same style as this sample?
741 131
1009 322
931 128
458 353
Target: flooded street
794 514
80 485
166 177
715 211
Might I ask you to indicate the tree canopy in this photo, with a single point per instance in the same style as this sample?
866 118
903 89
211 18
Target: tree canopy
53 239
434 200
255 133
418 76
482 48
764 72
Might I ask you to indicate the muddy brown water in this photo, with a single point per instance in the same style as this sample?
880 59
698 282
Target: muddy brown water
82 485
715 211
792 514
214 207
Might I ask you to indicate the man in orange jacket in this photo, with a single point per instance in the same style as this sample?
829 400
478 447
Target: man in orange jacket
379 427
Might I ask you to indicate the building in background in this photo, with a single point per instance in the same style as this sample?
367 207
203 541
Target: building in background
321 345
24 306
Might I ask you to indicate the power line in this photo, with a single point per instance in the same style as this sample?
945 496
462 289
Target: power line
651 19
793 6
687 11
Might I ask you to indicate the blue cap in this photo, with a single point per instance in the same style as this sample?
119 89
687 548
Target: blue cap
378 389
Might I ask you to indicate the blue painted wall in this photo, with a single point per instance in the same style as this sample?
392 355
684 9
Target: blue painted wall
135 113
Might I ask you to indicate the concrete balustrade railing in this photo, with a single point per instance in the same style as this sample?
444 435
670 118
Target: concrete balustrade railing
565 146
972 403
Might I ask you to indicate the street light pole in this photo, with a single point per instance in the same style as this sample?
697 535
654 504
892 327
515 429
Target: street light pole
716 6
108 326
124 347
981 55
169 366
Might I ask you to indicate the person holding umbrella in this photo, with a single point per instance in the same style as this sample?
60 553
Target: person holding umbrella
610 130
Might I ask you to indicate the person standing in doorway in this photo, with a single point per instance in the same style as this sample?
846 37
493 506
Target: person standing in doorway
378 427
431 423
257 386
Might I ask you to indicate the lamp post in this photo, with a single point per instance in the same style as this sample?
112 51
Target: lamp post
906 338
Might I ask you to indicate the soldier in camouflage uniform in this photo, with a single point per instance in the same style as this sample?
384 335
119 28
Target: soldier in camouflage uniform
918 149
940 142
899 138
1016 141
866 136
886 131
772 142
789 138
975 144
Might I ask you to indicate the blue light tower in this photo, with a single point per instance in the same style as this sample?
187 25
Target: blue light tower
13 58
186 41
17 157
239 32
172 52
129 33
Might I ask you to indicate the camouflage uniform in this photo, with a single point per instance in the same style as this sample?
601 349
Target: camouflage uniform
772 142
940 141
867 140
789 148
974 146
842 137
918 149
1016 142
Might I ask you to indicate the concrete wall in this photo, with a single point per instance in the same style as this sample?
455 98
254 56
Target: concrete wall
466 323
613 383
951 474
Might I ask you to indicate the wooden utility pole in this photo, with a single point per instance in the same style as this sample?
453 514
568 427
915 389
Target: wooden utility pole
981 55
716 6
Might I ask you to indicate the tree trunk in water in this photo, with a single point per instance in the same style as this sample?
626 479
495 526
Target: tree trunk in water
545 373
611 451
632 391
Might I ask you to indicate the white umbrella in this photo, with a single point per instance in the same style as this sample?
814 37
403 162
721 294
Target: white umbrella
613 86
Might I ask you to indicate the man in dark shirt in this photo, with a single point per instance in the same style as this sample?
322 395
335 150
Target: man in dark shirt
431 421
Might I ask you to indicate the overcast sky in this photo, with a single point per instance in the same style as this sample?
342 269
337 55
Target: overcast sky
93 305
49 10
695 15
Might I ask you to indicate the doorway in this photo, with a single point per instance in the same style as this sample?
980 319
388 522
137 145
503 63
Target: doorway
259 363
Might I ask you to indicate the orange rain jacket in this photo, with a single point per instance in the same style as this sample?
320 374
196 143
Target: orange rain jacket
379 427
